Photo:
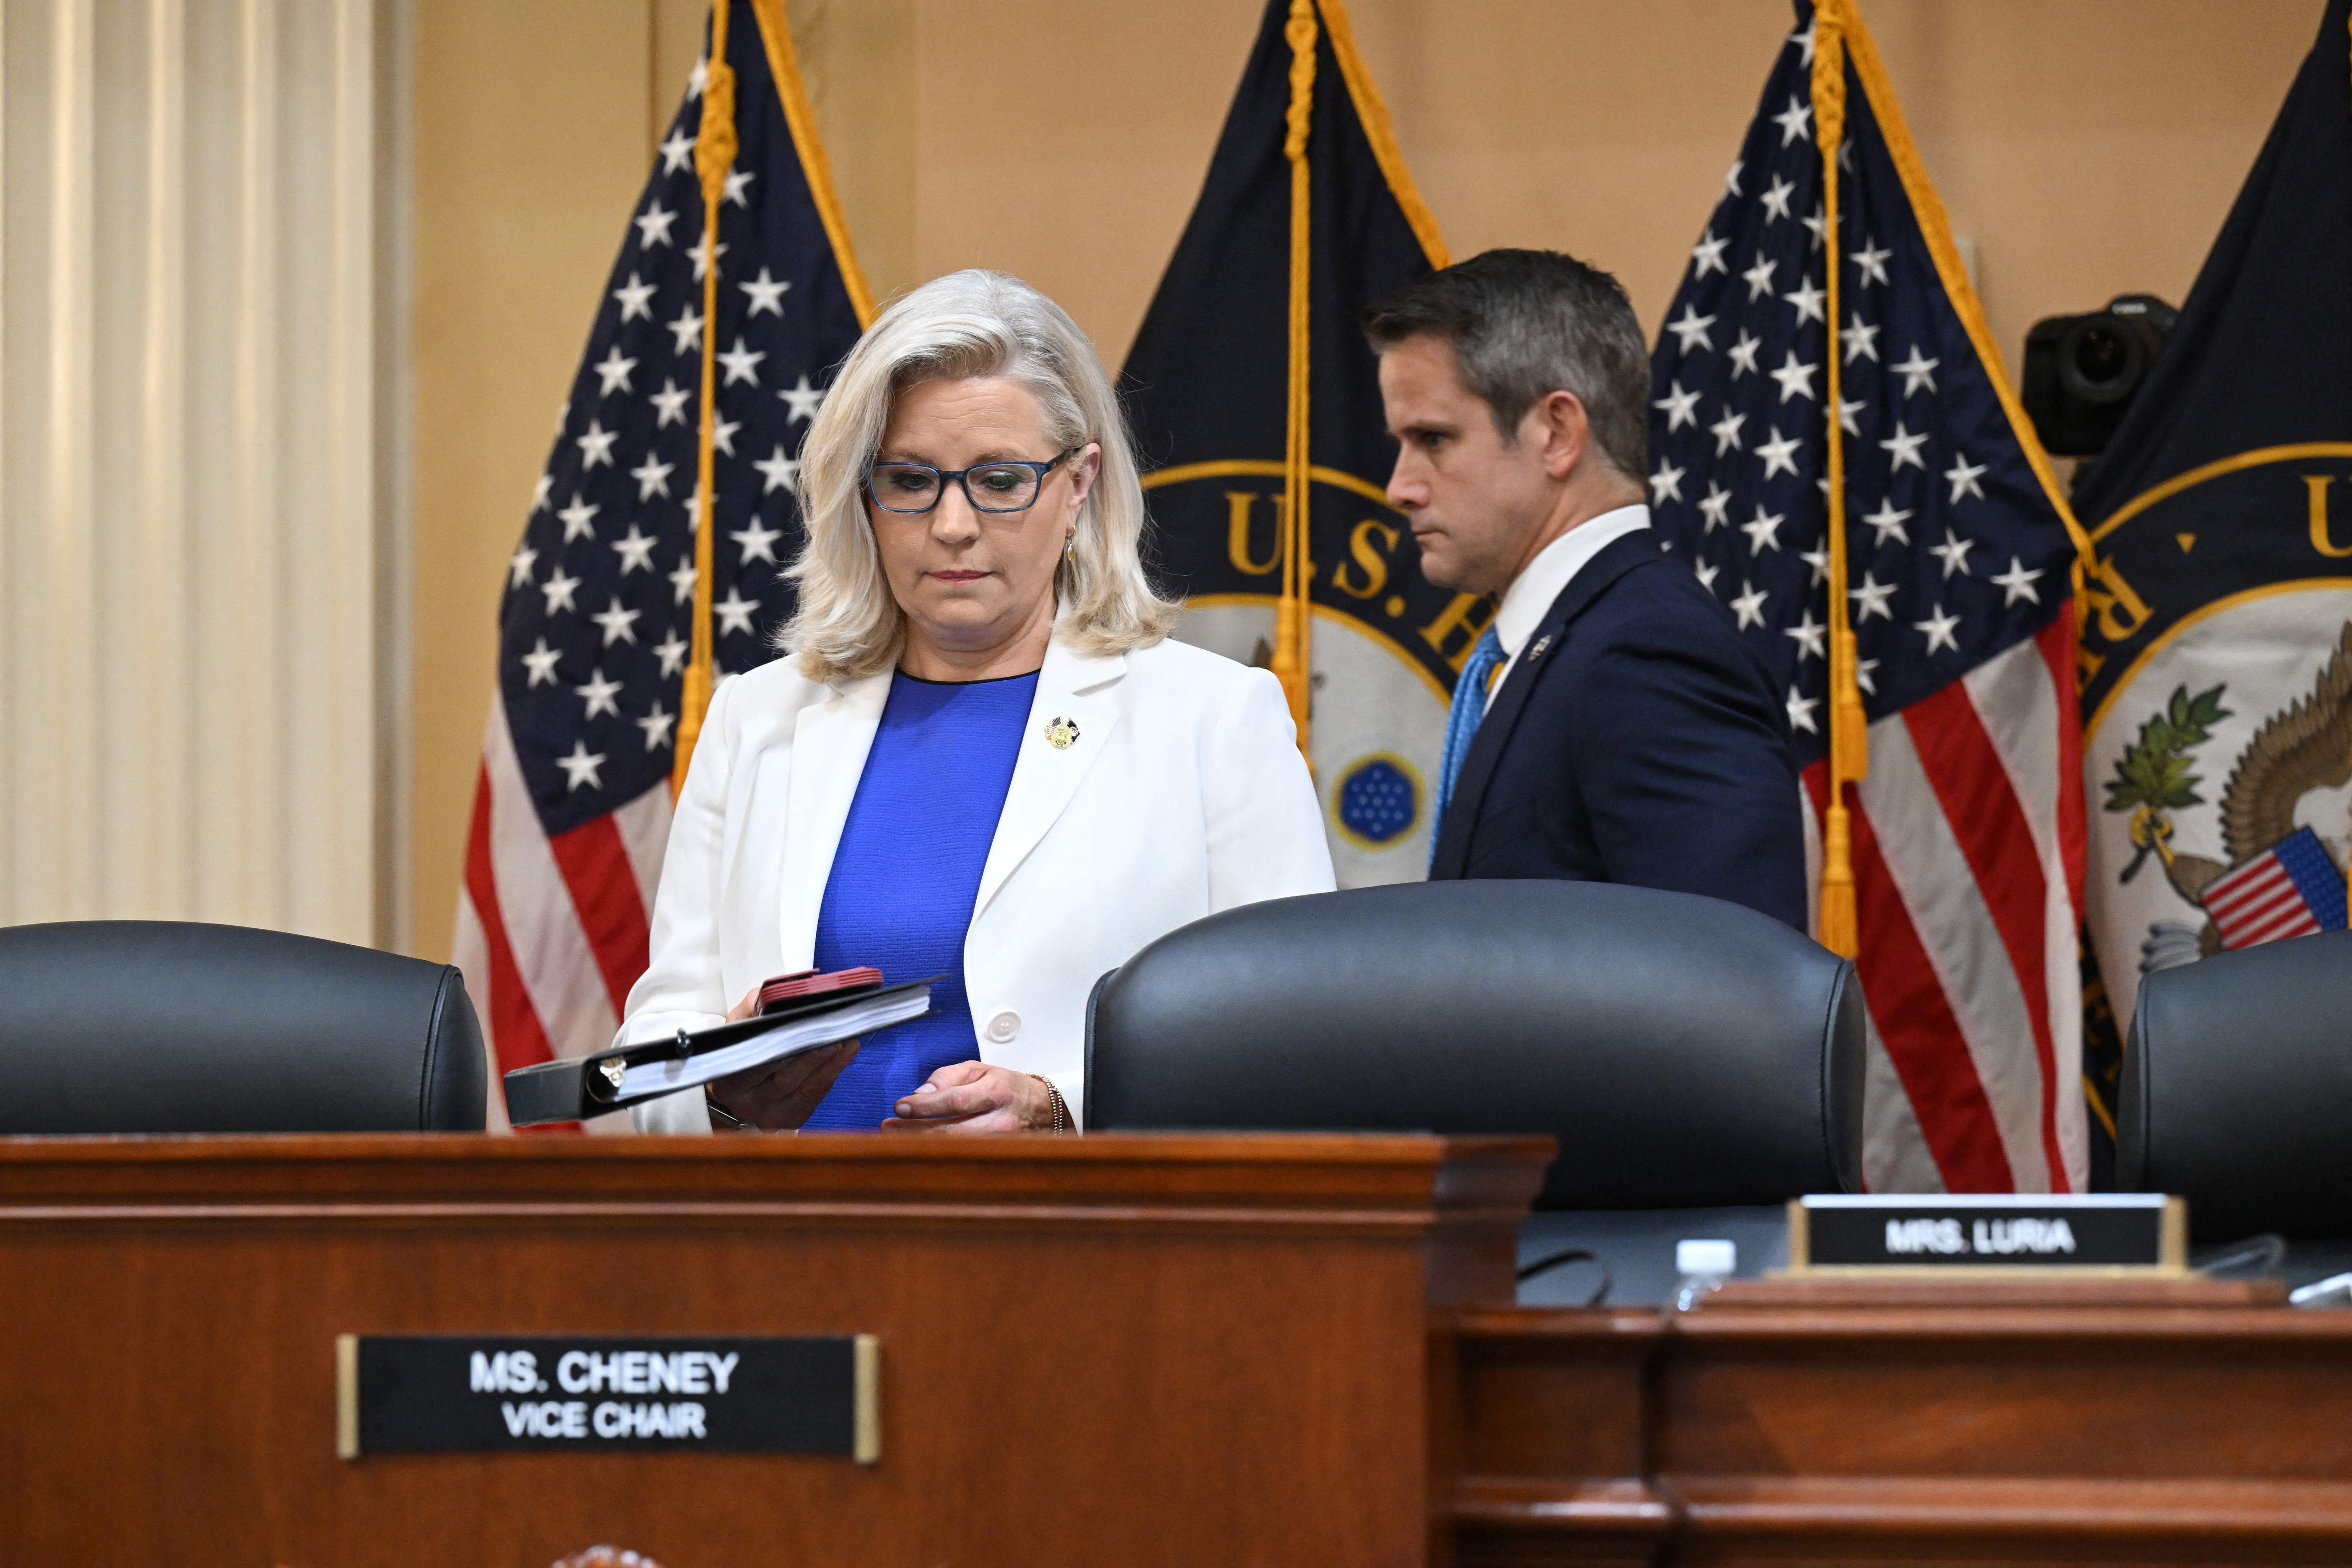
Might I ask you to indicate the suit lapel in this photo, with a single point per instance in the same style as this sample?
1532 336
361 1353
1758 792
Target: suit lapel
830 743
1074 687
1494 735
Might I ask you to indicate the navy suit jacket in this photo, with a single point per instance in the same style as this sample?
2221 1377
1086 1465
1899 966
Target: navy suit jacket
1636 740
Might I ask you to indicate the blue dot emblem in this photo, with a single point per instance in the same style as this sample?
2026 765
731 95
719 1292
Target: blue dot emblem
1379 801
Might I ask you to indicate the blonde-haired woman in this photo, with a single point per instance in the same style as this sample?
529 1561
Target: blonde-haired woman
980 757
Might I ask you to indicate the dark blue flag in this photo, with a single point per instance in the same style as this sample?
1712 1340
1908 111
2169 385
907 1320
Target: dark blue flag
2217 652
1208 383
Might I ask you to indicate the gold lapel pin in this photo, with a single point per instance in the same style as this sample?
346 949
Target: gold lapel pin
1060 733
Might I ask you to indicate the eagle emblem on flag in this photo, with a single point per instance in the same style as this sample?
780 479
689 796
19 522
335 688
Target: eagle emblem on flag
2218 609
2278 876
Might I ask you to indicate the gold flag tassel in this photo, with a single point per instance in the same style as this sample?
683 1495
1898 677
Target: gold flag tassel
1292 615
1839 37
714 155
1849 725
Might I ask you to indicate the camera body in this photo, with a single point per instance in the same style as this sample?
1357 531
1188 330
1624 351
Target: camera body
2082 371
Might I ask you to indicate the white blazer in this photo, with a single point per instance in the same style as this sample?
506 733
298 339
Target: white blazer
1183 794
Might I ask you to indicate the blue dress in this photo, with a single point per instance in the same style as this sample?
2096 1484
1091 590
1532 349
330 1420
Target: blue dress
906 872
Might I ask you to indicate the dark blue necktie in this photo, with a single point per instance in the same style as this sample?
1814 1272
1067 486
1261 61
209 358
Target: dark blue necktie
1462 724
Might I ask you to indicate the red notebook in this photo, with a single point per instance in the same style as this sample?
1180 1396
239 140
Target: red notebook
807 983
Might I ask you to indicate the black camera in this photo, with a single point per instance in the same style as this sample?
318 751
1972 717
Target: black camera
2082 371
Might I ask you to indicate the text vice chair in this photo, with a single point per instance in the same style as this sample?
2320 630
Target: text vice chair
158 1027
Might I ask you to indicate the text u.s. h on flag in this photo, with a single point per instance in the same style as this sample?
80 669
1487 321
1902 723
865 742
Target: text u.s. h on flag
572 809
1967 828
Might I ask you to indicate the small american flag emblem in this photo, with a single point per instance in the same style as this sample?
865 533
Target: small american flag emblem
2291 889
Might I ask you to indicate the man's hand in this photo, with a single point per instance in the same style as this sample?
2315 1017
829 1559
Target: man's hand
781 1096
974 1097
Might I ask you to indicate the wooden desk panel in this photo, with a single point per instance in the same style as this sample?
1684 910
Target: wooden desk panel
1860 1423
1132 1351
1108 1350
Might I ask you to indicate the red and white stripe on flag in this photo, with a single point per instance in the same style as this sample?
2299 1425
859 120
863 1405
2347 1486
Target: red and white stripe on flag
552 932
1967 863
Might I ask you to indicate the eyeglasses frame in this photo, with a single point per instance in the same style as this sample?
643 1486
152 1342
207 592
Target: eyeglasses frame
961 475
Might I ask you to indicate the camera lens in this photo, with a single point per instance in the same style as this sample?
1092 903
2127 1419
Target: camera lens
2081 373
2100 357
2101 363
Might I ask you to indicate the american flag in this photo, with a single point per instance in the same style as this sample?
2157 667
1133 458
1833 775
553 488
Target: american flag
2291 889
571 808
1969 831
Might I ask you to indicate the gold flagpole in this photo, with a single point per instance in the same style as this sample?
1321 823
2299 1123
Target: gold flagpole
1849 725
714 156
1292 618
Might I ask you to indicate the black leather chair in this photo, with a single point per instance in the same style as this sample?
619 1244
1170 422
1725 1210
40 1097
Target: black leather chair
2237 1090
156 1027
1685 1051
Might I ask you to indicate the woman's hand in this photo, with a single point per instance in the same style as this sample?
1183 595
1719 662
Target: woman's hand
974 1097
780 1097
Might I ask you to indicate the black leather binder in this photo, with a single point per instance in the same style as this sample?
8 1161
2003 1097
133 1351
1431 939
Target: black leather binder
578 1087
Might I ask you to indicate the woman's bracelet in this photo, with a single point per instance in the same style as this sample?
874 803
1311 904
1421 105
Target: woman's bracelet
1062 1120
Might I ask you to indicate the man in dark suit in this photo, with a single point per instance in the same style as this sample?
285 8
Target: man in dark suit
1608 725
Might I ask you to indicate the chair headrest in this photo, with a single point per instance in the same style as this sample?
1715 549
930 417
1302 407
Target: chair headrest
138 1026
2237 1090
1685 1051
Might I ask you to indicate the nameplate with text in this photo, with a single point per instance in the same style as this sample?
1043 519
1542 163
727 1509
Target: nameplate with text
2101 1234
443 1394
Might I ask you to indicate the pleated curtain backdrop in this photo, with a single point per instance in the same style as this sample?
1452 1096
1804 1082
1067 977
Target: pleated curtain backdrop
200 464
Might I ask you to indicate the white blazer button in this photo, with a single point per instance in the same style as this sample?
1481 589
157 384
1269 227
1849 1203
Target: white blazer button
1003 1027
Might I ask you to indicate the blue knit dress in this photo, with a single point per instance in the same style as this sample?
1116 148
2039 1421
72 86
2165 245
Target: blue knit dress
906 872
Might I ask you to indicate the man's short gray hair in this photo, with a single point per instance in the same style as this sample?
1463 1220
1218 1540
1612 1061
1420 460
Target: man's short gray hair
1528 323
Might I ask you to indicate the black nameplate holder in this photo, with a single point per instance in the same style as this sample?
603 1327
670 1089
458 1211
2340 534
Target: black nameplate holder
2087 1235
445 1394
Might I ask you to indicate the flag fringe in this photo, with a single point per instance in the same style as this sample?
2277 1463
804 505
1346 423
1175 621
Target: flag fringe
784 66
1937 226
1373 110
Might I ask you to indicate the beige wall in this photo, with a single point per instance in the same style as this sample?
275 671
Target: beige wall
530 137
2088 147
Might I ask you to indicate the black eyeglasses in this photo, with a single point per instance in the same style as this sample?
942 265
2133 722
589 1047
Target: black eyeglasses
999 487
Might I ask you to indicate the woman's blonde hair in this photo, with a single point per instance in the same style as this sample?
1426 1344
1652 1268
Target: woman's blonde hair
972 323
